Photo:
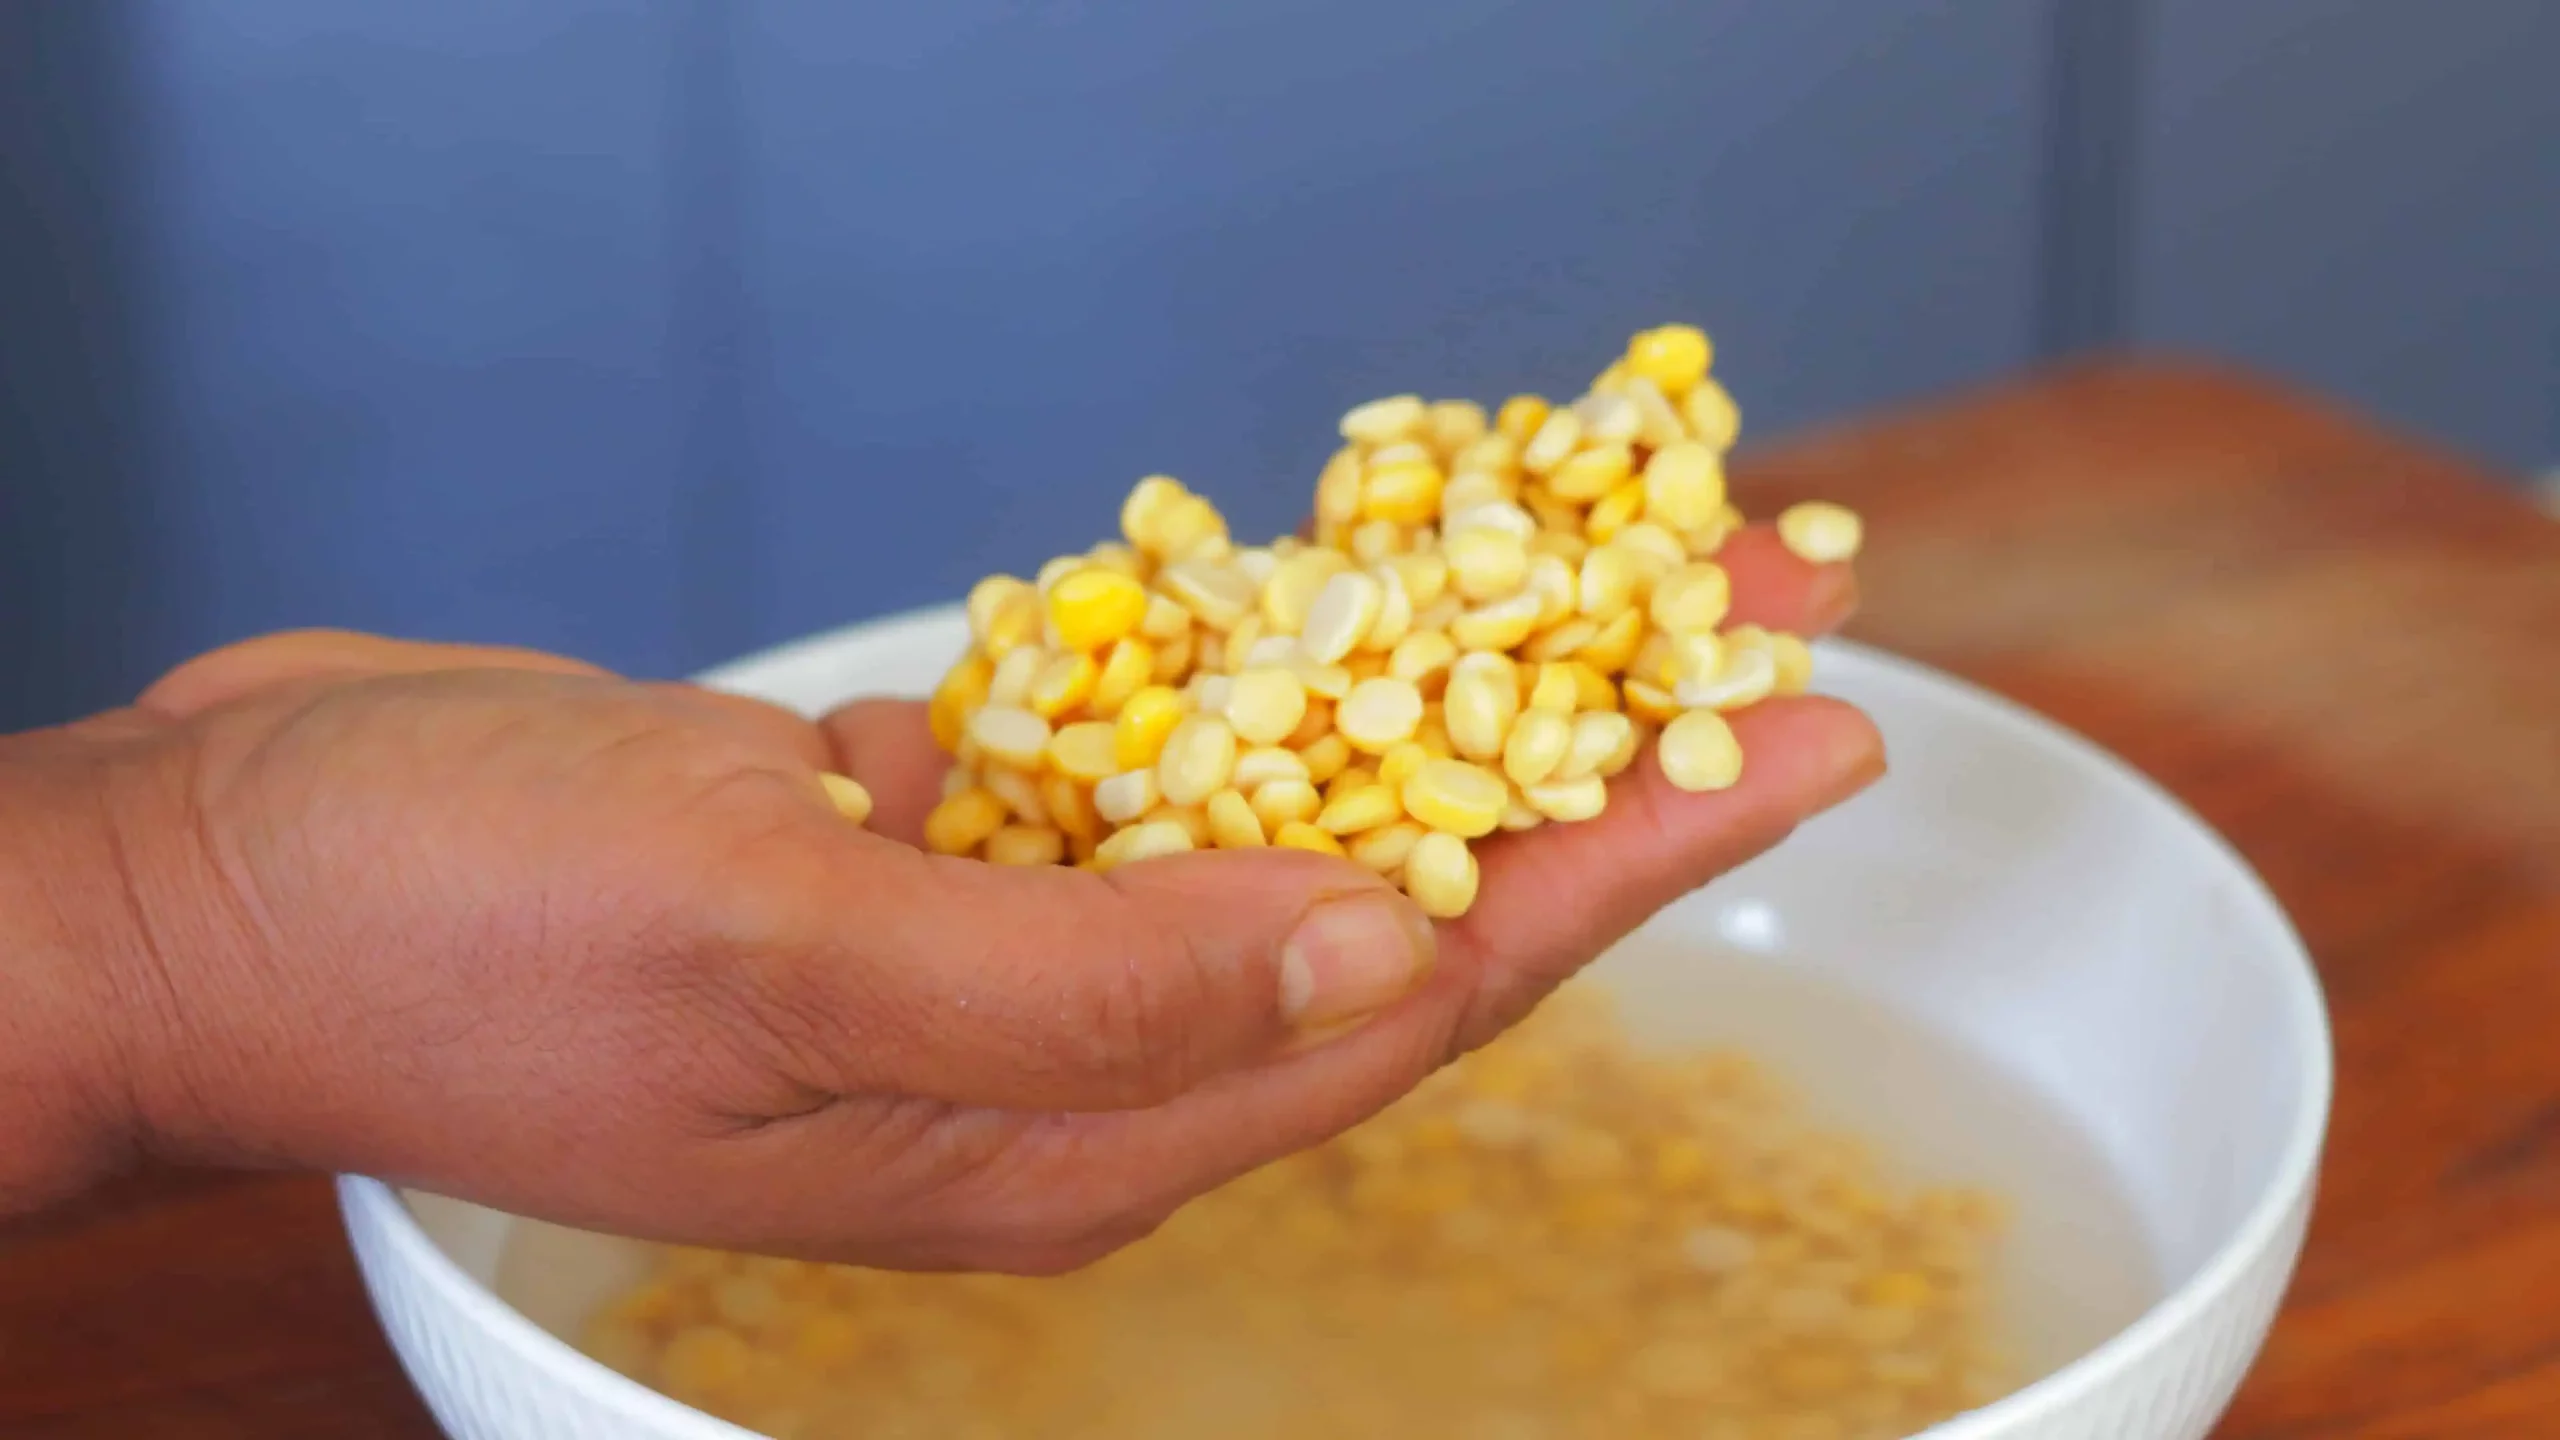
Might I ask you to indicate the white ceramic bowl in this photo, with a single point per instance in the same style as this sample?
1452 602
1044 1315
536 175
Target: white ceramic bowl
2014 956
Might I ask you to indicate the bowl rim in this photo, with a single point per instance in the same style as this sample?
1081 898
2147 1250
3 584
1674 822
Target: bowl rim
374 1204
370 1205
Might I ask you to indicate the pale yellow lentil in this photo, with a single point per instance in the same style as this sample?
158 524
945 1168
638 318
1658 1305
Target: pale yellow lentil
1173 679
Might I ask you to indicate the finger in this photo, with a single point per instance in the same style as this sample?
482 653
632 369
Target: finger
1036 1194
888 746
219 676
1115 1173
1653 844
1032 1195
1775 589
1056 989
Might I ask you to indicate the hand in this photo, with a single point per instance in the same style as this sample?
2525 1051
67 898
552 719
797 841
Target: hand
510 928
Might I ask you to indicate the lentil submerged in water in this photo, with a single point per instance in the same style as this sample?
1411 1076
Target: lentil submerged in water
1560 1237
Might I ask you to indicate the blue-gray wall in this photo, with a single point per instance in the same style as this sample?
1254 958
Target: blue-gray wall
655 331
2363 195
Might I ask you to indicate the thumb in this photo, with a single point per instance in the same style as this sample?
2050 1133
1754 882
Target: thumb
1048 989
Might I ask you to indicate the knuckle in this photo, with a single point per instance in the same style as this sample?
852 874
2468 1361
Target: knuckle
1496 1009
182 686
1140 1023
1648 802
737 932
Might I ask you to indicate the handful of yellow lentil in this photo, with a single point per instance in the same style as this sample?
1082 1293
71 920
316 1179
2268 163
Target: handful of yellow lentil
1494 617
1561 1237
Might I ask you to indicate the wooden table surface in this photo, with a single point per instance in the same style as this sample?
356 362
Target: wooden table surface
2341 647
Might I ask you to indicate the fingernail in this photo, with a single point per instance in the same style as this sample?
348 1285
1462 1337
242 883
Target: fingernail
1351 957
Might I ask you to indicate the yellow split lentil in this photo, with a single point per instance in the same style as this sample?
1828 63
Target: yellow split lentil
1478 583
1561 1237
846 794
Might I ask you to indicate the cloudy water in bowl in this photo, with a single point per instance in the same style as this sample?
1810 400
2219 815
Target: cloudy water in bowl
2073 1268
2076 1265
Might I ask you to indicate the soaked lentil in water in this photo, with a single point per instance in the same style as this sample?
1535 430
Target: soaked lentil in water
1559 1238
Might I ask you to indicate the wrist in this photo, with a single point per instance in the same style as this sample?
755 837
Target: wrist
119 962
68 934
